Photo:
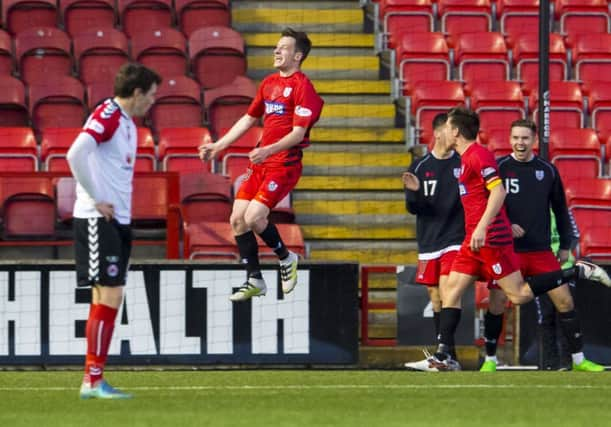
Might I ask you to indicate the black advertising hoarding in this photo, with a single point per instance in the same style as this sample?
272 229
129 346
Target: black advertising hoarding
415 313
179 313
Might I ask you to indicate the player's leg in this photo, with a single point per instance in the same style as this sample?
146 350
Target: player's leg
571 328
249 253
493 325
106 258
435 298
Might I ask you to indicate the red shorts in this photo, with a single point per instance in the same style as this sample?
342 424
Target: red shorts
268 185
532 263
429 270
489 263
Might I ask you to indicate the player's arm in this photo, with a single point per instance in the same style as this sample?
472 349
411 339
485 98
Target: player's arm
291 139
564 224
77 157
209 150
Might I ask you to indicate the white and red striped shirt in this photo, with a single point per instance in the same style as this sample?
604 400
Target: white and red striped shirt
111 164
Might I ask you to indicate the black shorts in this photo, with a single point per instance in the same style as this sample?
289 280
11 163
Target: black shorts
101 250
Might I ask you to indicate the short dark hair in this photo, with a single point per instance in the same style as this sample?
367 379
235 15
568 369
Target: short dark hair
440 120
525 123
302 42
466 121
132 76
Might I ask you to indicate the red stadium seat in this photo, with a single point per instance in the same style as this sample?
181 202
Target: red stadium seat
178 104
18 150
178 149
147 159
518 16
291 236
195 14
567 106
496 140
217 56
465 16
575 152
428 98
28 207
81 16
226 104
99 54
97 92
54 146
593 223
43 53
163 50
599 97
399 16
210 241
13 109
608 155
592 57
246 143
481 56
526 57
20 15
57 103
149 201
139 14
234 165
205 198
422 56
6 54
589 192
582 16
497 103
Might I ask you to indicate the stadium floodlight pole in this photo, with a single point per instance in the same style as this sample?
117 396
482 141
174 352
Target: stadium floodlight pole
543 116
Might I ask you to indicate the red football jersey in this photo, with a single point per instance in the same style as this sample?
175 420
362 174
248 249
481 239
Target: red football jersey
478 173
285 102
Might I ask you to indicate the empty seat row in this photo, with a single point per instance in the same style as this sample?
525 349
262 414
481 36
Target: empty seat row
213 55
510 17
78 16
64 102
487 56
501 102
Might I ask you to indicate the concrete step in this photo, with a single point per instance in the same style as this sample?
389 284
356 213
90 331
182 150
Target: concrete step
350 207
358 232
366 255
353 87
356 147
375 134
319 40
363 159
312 17
403 220
373 183
358 99
348 196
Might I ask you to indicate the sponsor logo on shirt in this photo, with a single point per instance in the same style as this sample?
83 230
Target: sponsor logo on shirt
287 91
461 189
488 171
303 111
274 108
539 174
96 126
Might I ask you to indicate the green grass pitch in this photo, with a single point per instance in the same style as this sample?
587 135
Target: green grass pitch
311 398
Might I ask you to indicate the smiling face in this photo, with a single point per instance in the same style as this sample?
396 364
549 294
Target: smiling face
286 58
522 141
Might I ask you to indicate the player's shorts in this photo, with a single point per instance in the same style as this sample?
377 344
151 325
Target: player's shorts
429 270
489 263
102 249
538 262
269 185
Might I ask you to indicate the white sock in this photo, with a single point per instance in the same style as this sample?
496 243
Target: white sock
578 358
492 358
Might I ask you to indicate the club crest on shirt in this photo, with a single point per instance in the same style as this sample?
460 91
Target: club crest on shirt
457 173
112 270
497 268
539 174
272 186
287 91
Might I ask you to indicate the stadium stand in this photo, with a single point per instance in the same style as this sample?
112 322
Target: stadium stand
178 149
399 16
99 53
464 16
157 14
13 108
57 103
525 48
21 15
582 16
6 54
18 150
592 57
178 104
498 103
54 146
146 154
205 198
481 56
422 56
567 103
80 16
164 50
517 17
599 106
194 14
225 104
575 152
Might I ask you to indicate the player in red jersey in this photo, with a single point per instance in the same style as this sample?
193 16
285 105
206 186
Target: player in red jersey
290 107
487 251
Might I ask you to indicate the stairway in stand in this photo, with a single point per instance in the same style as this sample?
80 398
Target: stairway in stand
349 201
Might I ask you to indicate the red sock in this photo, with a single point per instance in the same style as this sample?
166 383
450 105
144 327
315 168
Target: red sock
100 326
